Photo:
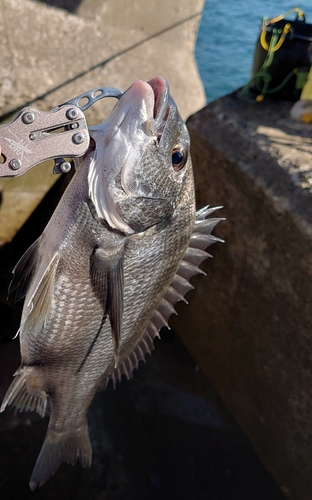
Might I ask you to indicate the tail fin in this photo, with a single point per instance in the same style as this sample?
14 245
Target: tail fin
24 393
59 447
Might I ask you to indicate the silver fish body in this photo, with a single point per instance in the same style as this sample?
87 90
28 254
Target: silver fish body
108 269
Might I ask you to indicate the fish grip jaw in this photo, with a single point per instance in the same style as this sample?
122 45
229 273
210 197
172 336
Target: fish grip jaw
87 99
35 136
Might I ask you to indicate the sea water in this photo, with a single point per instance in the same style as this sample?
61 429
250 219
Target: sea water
227 36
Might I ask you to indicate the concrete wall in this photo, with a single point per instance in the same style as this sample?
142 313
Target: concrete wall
49 55
249 323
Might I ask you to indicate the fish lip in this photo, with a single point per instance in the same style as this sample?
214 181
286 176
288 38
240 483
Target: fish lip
155 95
161 91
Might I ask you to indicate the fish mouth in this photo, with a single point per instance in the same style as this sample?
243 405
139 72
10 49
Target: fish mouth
152 99
145 106
160 88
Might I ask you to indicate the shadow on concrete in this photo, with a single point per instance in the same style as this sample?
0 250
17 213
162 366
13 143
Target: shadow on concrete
162 435
70 5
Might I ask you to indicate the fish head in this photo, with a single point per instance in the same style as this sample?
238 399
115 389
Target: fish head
142 171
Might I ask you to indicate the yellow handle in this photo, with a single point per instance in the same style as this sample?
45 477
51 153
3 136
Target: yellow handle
264 43
286 30
300 15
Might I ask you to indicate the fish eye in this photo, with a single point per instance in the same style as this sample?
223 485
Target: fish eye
179 157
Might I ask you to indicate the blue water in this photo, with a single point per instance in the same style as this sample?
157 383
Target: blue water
227 37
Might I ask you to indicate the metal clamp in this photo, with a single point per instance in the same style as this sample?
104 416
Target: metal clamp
35 136
93 96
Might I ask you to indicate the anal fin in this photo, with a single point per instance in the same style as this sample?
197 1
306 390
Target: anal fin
23 396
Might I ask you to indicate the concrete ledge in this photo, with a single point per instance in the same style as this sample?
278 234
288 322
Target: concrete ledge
49 55
249 324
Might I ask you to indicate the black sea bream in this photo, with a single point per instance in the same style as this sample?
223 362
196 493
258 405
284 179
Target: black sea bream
108 269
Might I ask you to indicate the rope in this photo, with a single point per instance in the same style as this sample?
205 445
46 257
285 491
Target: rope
263 73
277 39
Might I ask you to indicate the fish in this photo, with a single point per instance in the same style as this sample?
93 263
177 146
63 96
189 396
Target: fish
105 275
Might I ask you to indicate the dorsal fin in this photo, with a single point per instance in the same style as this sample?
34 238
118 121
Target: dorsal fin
131 362
30 398
201 238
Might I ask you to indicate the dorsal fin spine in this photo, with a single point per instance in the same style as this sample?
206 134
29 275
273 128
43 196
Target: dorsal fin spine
181 284
202 240
204 225
153 330
142 354
188 270
173 296
166 308
158 320
195 256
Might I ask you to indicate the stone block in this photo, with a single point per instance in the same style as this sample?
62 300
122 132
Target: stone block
249 324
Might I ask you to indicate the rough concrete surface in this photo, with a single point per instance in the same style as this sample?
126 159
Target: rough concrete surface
250 323
49 55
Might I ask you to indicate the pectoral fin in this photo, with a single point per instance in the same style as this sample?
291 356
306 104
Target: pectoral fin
108 281
114 304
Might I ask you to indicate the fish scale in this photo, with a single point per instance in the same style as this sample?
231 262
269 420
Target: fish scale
105 275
